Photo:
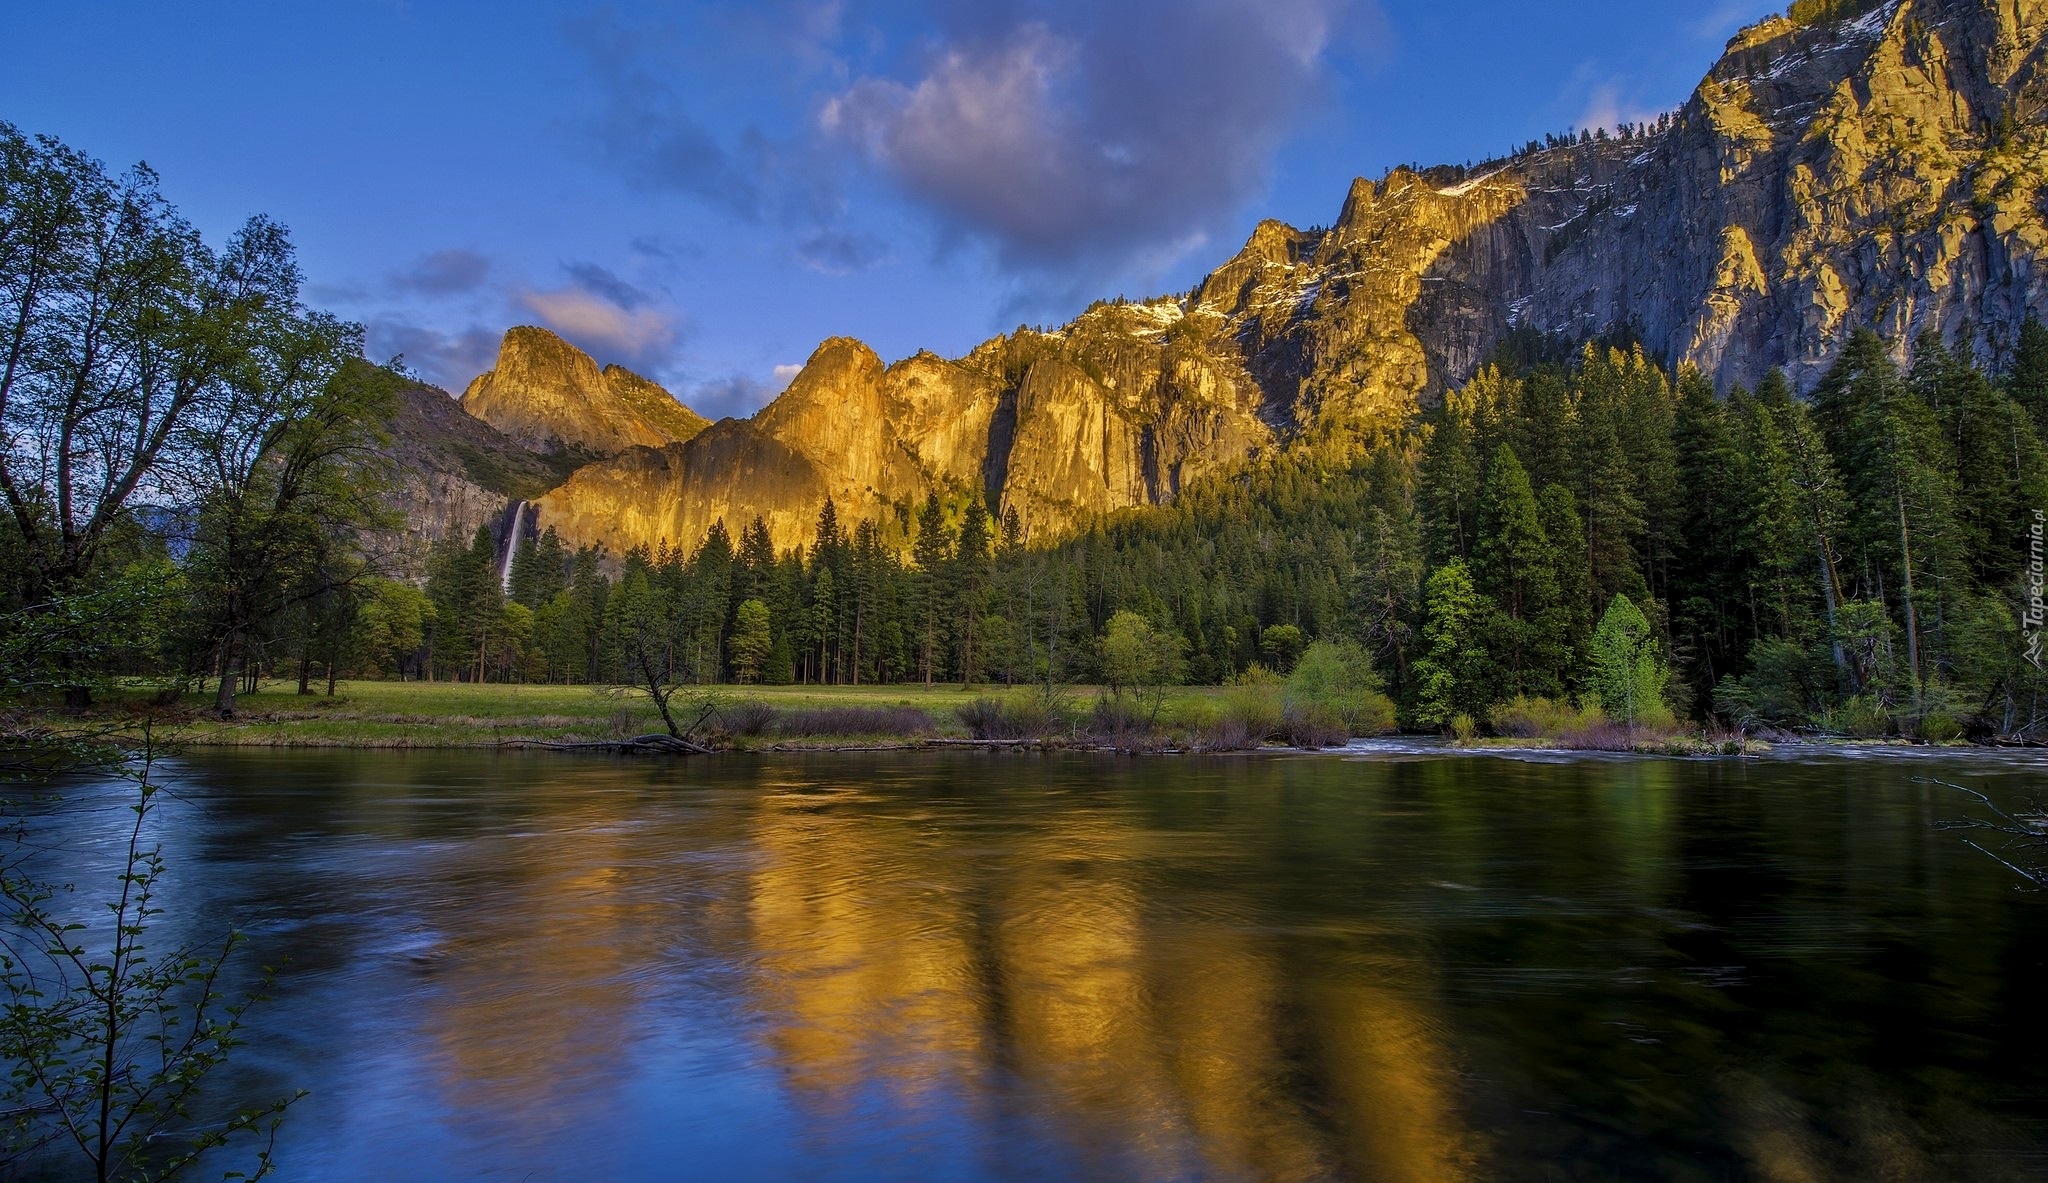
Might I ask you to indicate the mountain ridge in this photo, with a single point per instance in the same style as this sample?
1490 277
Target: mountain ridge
1883 167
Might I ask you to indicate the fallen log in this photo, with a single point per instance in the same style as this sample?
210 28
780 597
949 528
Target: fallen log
639 743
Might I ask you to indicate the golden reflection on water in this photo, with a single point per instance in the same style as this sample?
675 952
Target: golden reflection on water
1057 960
1263 970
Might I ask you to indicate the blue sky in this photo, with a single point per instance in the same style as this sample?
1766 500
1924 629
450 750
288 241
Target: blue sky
704 191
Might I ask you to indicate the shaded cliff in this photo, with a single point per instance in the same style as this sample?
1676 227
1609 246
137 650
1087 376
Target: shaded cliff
1884 168
452 472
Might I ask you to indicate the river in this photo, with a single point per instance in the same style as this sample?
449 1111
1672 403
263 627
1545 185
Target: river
1393 964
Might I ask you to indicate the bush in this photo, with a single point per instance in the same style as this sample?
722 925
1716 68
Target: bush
1524 717
1043 713
1313 727
1225 734
1121 723
748 719
856 720
1252 703
1463 729
1862 717
1334 682
1600 735
1938 726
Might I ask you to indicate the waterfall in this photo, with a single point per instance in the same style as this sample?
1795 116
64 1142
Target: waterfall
514 531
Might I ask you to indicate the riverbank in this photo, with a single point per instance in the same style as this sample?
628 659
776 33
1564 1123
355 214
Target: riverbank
428 715
374 715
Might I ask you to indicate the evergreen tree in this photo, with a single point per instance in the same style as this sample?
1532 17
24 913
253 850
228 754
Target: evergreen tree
1514 568
971 565
1451 677
2027 382
933 554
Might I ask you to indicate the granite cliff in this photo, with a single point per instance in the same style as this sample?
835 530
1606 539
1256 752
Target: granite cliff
1882 165
551 397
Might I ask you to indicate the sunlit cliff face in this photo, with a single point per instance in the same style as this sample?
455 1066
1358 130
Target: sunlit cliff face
1884 171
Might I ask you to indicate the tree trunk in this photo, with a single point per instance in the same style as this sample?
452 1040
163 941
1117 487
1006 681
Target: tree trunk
224 694
1912 614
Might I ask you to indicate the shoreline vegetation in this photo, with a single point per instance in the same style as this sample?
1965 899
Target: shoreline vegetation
377 715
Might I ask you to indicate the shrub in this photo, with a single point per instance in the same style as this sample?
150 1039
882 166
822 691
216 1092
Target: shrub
1463 728
1938 726
1224 733
856 720
1334 681
1862 717
1121 723
1600 735
985 718
1524 717
1313 727
1041 713
1252 703
748 719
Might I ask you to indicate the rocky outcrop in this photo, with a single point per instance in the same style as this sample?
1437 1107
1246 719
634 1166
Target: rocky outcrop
549 395
1055 427
1884 168
450 473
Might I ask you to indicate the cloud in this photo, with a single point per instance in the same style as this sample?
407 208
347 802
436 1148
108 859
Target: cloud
662 248
1095 133
786 374
735 396
441 273
645 339
446 359
648 130
1606 108
609 284
836 252
1720 21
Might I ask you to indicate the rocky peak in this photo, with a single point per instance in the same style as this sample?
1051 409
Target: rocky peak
1867 162
550 396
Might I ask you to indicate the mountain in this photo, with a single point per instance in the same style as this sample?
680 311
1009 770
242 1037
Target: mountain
1851 164
452 472
549 395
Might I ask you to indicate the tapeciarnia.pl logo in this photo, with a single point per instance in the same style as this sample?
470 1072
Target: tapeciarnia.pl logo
2037 611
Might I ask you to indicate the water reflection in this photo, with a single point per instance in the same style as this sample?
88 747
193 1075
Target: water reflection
1263 969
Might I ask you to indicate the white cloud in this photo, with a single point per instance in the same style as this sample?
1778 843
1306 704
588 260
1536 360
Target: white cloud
638 334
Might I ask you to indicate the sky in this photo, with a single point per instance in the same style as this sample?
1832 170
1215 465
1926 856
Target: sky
702 192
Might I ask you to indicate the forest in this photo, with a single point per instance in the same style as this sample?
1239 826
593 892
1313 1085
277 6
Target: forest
194 498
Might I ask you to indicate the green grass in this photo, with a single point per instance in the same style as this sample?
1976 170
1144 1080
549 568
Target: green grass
450 714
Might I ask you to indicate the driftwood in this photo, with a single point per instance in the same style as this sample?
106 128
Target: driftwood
657 743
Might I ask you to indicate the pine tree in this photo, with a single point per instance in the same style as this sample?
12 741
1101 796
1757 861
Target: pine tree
1451 675
2027 382
1513 567
933 554
971 565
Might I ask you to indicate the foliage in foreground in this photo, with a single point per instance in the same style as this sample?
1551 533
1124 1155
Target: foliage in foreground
112 1039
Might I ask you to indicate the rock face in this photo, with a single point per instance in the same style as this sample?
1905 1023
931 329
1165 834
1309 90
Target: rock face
550 396
1057 427
1884 167
452 473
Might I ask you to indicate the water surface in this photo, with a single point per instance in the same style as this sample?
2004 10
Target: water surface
1397 965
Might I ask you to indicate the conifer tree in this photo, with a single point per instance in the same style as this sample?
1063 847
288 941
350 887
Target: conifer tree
1450 676
1513 567
933 554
